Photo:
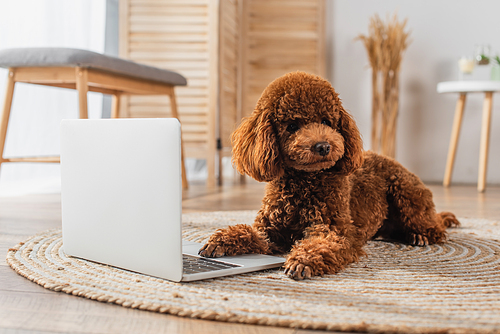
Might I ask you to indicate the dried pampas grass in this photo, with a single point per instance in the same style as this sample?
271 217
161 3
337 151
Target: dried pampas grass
385 44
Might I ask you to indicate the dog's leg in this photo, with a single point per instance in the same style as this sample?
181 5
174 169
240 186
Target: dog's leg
322 252
412 212
236 240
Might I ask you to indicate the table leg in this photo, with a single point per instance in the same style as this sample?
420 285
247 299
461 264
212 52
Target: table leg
455 132
485 141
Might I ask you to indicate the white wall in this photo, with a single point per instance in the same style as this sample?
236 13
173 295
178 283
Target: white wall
37 111
441 32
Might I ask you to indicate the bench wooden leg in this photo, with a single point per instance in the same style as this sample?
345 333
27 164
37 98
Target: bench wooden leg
455 132
4 122
173 106
82 87
115 106
485 141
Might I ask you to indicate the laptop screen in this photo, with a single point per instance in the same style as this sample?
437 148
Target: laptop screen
122 194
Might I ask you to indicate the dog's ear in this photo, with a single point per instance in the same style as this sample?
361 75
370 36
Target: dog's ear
353 145
255 148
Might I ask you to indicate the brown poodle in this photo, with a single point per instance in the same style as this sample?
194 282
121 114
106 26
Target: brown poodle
325 197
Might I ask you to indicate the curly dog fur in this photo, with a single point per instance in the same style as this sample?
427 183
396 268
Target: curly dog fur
325 197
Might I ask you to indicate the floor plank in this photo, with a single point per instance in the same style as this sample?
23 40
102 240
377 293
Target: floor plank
27 308
62 313
465 201
10 282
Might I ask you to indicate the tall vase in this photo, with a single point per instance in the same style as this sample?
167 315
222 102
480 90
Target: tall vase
385 45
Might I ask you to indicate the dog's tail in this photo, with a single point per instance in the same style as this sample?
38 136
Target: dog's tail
448 219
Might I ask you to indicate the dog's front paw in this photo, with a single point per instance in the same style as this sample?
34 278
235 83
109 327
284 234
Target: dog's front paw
212 249
235 240
297 270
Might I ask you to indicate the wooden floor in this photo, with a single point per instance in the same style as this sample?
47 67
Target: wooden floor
26 307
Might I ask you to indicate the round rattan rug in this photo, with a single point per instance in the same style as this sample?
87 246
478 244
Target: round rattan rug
449 288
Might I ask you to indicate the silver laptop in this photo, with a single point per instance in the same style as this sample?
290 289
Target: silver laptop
122 201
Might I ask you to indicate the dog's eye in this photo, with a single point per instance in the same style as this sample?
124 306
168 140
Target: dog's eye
292 127
326 122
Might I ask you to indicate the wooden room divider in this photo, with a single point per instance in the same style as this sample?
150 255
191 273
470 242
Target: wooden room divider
229 51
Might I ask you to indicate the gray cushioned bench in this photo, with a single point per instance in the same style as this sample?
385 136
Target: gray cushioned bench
84 71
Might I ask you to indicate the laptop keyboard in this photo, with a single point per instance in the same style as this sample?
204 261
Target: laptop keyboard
194 265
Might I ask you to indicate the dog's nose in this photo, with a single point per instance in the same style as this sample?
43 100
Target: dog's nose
322 148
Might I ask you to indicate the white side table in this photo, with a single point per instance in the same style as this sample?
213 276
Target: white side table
464 87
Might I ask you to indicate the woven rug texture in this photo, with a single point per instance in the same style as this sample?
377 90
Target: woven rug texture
397 288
